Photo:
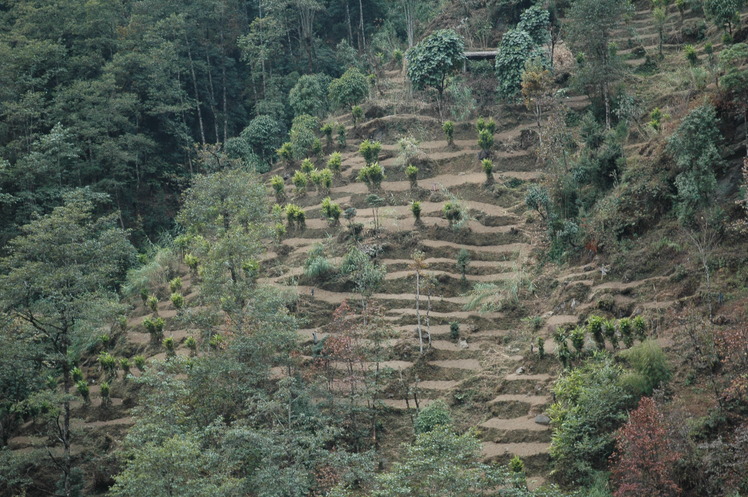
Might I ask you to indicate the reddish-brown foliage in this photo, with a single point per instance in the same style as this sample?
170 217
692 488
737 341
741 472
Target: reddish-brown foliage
644 461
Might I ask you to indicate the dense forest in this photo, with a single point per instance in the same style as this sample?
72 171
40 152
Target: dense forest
290 248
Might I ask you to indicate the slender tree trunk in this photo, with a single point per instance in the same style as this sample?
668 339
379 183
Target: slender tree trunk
362 45
197 94
212 99
67 459
418 310
348 22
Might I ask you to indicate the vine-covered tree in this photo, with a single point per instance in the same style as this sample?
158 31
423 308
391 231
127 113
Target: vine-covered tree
434 59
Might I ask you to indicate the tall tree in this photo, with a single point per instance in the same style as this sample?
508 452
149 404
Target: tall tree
590 27
58 280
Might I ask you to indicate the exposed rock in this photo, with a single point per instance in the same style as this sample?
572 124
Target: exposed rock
542 419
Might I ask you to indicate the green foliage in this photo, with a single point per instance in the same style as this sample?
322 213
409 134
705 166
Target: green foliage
331 210
285 152
485 124
175 284
300 181
411 172
264 135
595 328
278 185
434 59
82 387
309 95
650 366
487 166
443 463
295 216
577 336
694 146
415 209
303 135
357 113
454 330
485 140
125 365
516 465
105 391
363 272
191 344
640 328
335 162
307 166
350 89
170 346
463 261
432 416
341 129
515 50
541 347
724 13
536 22
449 130
453 212
590 405
369 150
139 362
177 300
108 364
155 327
691 56
372 175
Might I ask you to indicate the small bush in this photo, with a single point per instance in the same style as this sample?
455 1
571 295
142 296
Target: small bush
541 347
76 374
105 391
454 330
357 113
327 130
331 210
625 328
341 136
295 216
307 166
516 465
285 152
485 140
487 166
650 363
609 330
139 362
279 186
191 344
431 416
335 162
154 327
125 365
108 364
577 338
372 175
595 328
415 209
170 346
153 304
369 150
177 300
640 328
83 390
411 172
449 130
691 56
453 212
175 285
300 180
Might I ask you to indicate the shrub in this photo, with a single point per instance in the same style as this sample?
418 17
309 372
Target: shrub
177 300
577 338
541 347
192 262
454 330
300 180
595 328
327 130
415 209
191 344
170 346
640 328
488 169
285 152
624 327
650 368
331 210
139 362
341 136
83 390
155 327
411 172
463 261
153 304
691 56
335 162
516 465
307 166
325 179
108 364
263 135
318 268
316 178
76 374
295 216
449 130
357 113
105 390
452 212
369 150
609 330
485 140
372 175
431 416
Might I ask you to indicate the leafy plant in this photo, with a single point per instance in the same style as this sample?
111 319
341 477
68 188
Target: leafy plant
335 162
463 261
300 180
105 391
191 344
372 175
487 166
415 209
331 210
434 59
295 216
454 330
453 212
369 150
177 300
278 185
350 89
485 141
139 362
170 346
449 130
153 304
83 390
411 172
357 113
433 415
